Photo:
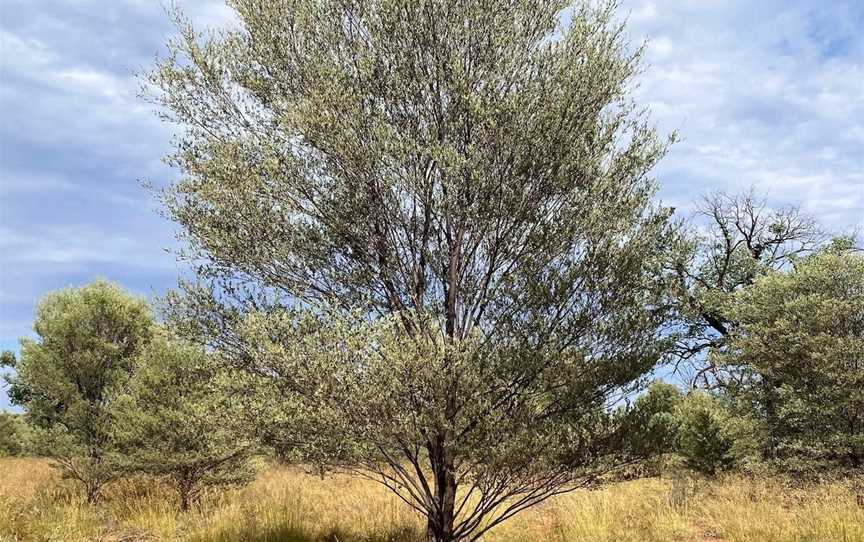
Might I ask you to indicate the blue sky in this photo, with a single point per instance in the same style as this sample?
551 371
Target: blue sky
767 94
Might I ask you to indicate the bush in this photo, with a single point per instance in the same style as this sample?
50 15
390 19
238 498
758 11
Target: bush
711 435
15 435
704 431
649 427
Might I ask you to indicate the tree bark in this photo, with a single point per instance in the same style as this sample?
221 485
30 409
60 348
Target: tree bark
93 490
184 488
441 521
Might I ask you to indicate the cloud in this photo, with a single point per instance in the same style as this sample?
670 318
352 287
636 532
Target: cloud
767 94
79 245
74 142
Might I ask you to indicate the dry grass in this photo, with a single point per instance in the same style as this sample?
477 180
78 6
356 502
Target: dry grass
285 505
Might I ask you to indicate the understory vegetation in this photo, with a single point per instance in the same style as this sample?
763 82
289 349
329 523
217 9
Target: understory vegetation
285 504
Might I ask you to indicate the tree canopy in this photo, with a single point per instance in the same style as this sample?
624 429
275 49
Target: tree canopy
66 379
801 340
736 239
466 186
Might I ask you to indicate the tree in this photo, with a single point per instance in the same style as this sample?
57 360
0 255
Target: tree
651 427
707 431
68 376
742 239
178 419
430 226
14 435
9 443
801 339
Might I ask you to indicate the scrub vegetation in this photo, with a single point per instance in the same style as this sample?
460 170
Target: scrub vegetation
428 287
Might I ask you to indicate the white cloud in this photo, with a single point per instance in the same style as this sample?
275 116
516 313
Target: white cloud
91 82
767 94
80 246
23 54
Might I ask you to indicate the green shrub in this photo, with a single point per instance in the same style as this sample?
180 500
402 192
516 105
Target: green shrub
712 435
15 435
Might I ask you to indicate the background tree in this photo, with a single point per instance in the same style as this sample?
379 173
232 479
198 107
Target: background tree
68 376
15 435
801 339
651 428
738 238
713 435
706 432
178 419
9 441
459 194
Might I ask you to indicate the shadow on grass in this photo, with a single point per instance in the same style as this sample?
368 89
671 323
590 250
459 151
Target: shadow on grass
287 533
398 534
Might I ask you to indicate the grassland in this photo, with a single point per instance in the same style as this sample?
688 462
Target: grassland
286 505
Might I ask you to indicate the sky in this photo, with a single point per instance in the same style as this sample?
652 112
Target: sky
766 94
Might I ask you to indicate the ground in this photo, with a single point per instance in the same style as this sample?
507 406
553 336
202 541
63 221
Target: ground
286 505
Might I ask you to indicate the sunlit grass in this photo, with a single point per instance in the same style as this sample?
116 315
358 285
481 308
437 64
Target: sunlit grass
286 505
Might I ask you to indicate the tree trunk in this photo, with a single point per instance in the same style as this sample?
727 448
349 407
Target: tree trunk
93 493
769 397
184 501
440 522
185 487
439 527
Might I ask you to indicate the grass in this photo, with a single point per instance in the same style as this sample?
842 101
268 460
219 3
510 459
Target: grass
285 505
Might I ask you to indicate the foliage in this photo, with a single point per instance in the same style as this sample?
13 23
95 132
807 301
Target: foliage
701 438
15 435
67 378
471 180
179 419
801 337
740 238
651 428
7 359
711 436
707 431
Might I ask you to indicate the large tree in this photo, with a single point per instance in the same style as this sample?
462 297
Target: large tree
67 378
800 337
734 240
430 226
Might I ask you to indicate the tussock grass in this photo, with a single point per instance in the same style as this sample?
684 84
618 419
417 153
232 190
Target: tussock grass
286 505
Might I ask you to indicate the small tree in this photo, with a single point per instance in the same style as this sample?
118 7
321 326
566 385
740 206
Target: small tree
15 435
178 419
650 426
68 377
705 430
703 433
430 225
800 337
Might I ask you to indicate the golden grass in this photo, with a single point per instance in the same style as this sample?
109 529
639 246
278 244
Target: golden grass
285 505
